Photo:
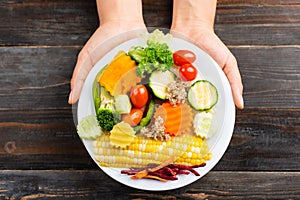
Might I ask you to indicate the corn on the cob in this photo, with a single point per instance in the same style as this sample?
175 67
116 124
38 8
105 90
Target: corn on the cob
187 149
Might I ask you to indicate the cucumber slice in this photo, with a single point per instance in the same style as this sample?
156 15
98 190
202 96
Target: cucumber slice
159 81
89 128
202 95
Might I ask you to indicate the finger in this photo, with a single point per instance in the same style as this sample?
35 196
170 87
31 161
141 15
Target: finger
82 68
233 75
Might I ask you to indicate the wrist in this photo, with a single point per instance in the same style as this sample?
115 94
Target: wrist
129 11
191 13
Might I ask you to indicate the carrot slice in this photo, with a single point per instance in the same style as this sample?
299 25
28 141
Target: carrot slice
177 120
156 178
140 175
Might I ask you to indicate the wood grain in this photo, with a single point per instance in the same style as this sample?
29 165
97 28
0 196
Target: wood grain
36 76
78 184
271 75
42 22
241 34
264 139
66 22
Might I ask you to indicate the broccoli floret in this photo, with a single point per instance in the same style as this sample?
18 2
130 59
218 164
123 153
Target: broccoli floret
165 57
157 45
156 56
106 118
151 59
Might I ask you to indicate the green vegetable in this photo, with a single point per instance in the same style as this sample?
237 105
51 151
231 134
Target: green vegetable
88 128
106 100
122 104
96 90
106 118
156 56
202 95
137 53
145 121
158 36
159 81
106 114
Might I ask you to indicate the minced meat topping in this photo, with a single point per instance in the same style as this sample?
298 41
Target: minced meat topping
156 130
177 92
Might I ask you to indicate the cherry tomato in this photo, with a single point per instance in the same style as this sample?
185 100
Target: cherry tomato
188 72
139 96
134 117
182 57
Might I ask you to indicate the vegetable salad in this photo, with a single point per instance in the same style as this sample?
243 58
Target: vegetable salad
151 107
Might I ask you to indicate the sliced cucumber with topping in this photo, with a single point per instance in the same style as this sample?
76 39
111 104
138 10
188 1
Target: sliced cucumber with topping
202 95
159 81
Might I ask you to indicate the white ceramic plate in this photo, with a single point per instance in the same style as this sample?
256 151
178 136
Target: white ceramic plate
223 120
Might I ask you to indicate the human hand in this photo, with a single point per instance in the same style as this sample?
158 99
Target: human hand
196 25
119 21
104 39
208 41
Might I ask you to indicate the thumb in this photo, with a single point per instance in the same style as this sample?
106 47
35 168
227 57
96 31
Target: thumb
233 75
82 68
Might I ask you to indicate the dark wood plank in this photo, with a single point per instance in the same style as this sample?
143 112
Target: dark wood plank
158 13
271 75
263 139
35 77
66 22
258 34
42 22
249 13
39 77
96 185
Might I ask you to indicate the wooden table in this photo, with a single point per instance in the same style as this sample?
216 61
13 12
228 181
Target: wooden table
41 155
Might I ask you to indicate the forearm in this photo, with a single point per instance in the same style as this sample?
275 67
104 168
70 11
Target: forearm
196 12
120 10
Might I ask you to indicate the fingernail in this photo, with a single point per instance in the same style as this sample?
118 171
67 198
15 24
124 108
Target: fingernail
242 101
70 97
